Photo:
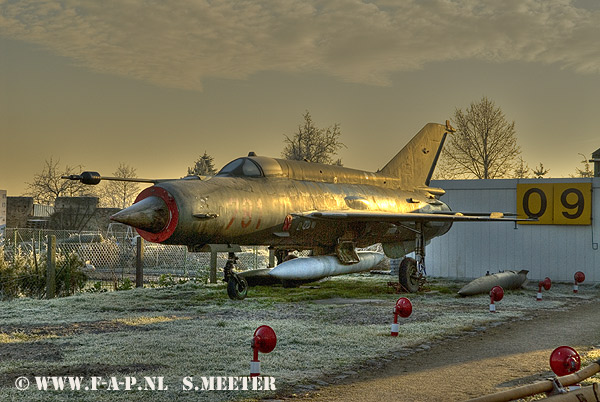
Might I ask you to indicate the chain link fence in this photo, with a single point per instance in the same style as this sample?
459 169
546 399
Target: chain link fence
109 259
97 261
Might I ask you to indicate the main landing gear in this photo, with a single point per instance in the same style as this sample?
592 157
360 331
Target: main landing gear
237 287
412 271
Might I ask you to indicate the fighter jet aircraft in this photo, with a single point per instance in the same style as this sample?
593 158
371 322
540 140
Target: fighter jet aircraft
296 205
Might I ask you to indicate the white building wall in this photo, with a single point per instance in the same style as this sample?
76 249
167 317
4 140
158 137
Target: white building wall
468 250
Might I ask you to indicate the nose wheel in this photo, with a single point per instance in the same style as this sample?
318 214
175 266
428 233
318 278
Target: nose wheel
237 286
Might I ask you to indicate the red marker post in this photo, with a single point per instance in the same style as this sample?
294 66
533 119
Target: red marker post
579 278
496 294
403 308
564 360
264 341
546 284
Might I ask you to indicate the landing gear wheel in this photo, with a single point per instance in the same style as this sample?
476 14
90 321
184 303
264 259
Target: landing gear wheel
284 255
289 257
237 287
409 275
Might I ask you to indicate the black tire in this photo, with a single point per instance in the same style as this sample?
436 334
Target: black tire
409 275
283 256
237 288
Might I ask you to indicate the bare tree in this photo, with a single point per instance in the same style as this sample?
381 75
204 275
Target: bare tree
313 144
539 172
121 194
48 184
587 169
484 145
204 166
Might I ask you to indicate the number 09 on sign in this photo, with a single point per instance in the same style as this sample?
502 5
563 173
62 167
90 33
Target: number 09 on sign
555 203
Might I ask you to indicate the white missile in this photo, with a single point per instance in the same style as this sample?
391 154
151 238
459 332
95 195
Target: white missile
507 280
313 268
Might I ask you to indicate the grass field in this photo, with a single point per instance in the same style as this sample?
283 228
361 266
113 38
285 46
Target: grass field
324 331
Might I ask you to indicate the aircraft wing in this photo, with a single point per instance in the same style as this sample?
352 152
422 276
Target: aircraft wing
378 216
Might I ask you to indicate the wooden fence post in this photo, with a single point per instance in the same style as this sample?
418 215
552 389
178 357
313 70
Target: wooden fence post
271 257
212 277
51 268
139 263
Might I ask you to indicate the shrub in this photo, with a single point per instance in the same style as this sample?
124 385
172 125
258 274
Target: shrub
25 275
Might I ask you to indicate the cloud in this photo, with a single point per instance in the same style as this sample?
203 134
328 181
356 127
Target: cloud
180 44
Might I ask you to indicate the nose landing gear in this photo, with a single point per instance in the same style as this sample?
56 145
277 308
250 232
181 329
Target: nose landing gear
237 287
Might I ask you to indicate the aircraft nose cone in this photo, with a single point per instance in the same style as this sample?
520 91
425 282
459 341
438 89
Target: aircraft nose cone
150 214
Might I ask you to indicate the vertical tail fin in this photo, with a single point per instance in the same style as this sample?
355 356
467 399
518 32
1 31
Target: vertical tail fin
415 163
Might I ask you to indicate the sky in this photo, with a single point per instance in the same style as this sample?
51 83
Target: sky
156 84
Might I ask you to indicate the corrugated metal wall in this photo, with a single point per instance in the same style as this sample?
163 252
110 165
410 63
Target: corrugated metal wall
468 250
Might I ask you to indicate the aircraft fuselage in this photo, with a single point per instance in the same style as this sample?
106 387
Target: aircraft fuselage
263 211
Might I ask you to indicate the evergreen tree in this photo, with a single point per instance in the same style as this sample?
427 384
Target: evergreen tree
204 166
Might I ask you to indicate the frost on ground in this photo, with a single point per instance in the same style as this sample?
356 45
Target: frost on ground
194 330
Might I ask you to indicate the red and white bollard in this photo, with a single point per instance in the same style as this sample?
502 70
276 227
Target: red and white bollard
264 341
579 278
496 294
403 308
564 360
546 284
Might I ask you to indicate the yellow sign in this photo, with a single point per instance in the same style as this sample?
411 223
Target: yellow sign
555 203
573 204
536 201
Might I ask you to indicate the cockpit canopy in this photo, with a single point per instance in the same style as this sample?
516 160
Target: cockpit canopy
252 166
241 167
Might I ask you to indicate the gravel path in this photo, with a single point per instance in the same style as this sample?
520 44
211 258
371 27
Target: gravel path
508 355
